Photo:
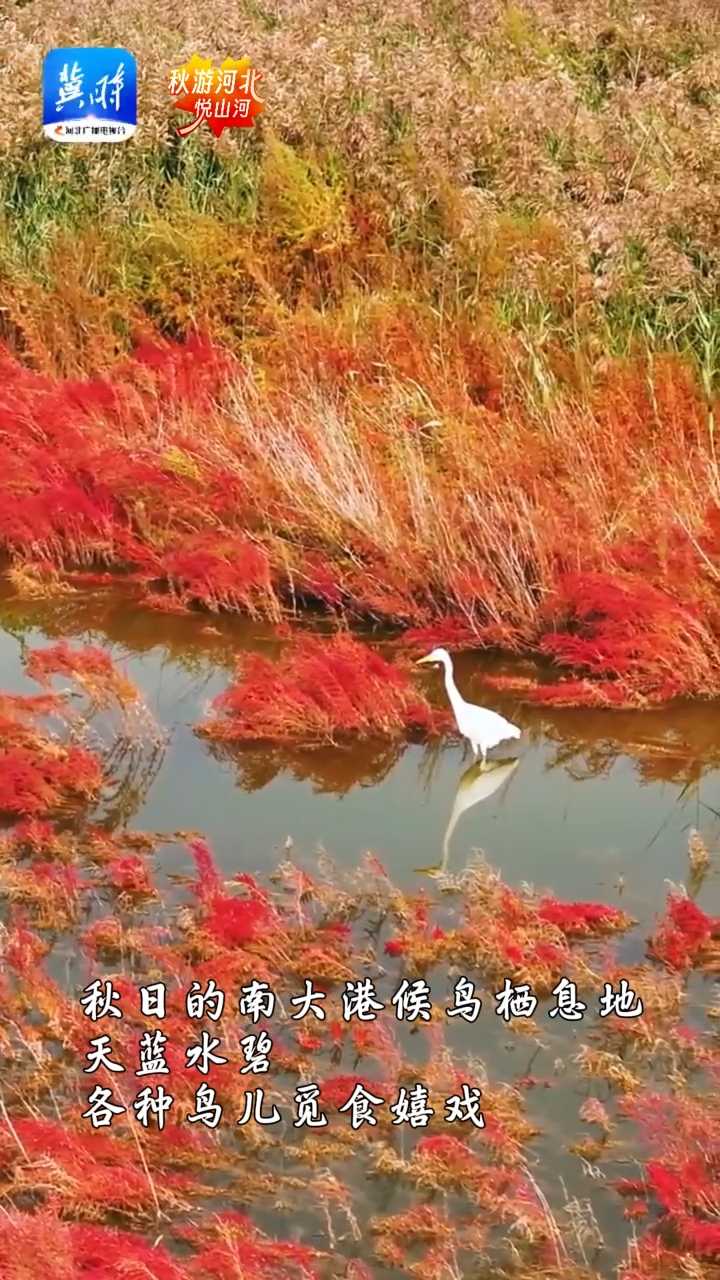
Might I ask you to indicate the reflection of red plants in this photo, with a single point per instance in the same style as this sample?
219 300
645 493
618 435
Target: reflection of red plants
324 690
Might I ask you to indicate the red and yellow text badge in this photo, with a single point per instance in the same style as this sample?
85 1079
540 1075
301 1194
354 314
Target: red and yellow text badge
225 96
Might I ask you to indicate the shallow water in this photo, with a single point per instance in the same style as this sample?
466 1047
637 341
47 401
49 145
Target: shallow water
600 804
594 805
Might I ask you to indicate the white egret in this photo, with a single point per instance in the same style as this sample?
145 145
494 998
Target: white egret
483 729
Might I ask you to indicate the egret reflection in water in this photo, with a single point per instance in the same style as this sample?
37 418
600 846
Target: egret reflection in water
479 782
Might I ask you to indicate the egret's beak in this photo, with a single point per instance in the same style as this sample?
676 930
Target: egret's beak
420 661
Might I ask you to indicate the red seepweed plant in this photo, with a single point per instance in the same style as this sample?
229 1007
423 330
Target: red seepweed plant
39 775
323 691
586 534
686 936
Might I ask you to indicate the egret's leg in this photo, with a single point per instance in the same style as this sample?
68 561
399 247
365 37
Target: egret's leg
484 755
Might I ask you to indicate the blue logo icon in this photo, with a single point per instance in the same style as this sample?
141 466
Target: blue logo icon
89 95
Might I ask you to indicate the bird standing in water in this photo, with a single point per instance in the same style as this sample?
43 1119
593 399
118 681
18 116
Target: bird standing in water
483 729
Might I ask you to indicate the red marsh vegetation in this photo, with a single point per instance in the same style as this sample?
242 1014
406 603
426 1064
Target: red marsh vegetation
586 535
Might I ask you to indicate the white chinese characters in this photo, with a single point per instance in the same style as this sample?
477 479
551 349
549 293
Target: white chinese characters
362 1101
107 91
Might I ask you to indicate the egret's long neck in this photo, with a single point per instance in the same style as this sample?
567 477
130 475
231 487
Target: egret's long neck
453 693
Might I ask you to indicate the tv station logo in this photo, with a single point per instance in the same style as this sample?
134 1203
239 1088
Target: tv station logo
89 94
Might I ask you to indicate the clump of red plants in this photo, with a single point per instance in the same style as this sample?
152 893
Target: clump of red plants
686 937
44 770
39 774
322 691
503 932
680 1185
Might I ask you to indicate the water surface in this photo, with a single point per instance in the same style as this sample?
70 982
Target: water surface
591 805
601 804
